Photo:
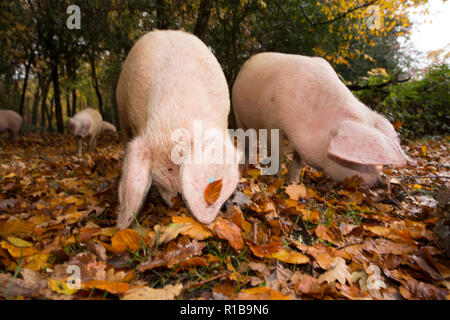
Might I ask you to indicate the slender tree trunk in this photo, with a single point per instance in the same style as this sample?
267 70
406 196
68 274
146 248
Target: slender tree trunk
25 82
68 102
45 89
74 101
34 110
57 98
96 85
201 25
49 112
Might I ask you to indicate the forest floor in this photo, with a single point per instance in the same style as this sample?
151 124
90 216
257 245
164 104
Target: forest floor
313 240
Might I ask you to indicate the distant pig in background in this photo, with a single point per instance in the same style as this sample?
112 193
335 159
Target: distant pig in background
87 123
328 127
10 121
170 81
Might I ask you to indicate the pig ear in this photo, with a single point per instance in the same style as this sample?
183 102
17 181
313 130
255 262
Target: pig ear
196 179
355 142
135 181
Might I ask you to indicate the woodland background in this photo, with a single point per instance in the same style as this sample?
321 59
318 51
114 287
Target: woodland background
314 239
48 72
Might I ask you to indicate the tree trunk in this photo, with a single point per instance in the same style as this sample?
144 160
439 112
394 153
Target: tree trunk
45 89
95 85
161 19
50 115
68 102
201 25
57 98
34 110
25 82
74 102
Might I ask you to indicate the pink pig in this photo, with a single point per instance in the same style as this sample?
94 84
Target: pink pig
170 81
325 123
10 121
87 123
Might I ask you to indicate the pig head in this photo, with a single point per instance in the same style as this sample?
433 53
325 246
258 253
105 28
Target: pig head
79 127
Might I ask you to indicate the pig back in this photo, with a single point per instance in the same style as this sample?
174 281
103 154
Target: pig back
10 120
170 78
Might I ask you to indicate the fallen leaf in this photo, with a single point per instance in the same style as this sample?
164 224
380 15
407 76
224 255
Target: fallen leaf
169 292
261 293
174 253
227 230
113 287
194 229
296 191
124 240
212 191
338 272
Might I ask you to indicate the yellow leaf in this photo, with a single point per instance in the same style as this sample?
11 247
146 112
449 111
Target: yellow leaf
37 262
296 191
17 242
74 200
424 150
194 230
417 186
254 173
290 256
18 252
60 286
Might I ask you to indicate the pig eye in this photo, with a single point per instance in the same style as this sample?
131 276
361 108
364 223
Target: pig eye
170 169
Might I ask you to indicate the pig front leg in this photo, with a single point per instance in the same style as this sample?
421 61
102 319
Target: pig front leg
280 154
295 168
135 182
92 142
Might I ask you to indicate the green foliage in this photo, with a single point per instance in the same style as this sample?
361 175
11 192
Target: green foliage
422 106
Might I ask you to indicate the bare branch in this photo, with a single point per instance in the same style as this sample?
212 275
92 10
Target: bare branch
342 15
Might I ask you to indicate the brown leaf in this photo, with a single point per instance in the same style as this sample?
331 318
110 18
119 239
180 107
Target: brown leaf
261 293
212 191
227 230
169 292
124 240
338 272
174 253
310 286
113 287
325 233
